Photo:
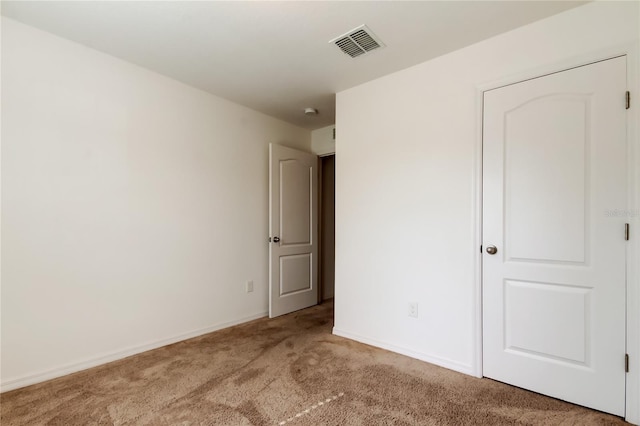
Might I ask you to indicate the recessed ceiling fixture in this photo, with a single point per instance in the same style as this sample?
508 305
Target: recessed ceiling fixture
310 111
358 41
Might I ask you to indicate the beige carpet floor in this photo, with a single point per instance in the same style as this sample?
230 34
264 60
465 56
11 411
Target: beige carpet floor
285 371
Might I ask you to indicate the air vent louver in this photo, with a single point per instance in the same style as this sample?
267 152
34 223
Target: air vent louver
349 47
358 41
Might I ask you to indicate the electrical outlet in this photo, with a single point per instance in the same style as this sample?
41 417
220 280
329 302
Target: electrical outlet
249 286
413 309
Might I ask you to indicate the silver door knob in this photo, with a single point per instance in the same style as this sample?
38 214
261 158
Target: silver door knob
276 239
492 250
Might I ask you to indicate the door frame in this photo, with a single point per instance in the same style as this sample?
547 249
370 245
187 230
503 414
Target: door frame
629 50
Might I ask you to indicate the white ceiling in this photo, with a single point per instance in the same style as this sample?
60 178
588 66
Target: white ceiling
274 56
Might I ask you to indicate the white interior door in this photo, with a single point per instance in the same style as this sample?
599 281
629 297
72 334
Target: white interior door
293 230
554 168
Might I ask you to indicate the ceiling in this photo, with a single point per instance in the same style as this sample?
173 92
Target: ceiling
274 56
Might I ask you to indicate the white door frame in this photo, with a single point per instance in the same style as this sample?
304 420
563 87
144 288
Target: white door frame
633 206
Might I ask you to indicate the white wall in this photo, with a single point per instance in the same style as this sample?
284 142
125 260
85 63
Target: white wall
134 207
407 146
322 142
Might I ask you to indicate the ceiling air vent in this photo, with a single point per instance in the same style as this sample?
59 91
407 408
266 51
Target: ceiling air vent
358 41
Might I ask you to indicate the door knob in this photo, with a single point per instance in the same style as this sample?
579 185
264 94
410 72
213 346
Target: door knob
276 239
492 250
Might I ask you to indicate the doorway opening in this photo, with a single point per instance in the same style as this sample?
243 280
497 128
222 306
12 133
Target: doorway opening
327 228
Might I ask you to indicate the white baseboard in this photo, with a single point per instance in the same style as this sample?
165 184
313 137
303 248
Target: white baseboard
31 379
432 359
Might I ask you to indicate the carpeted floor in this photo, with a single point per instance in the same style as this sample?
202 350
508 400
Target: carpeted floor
289 370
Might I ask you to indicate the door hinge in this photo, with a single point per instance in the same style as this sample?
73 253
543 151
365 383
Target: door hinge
626 231
626 363
628 99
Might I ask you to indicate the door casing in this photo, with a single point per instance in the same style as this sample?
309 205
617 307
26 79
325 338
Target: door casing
633 202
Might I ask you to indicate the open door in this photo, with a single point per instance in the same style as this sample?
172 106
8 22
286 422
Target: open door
293 230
